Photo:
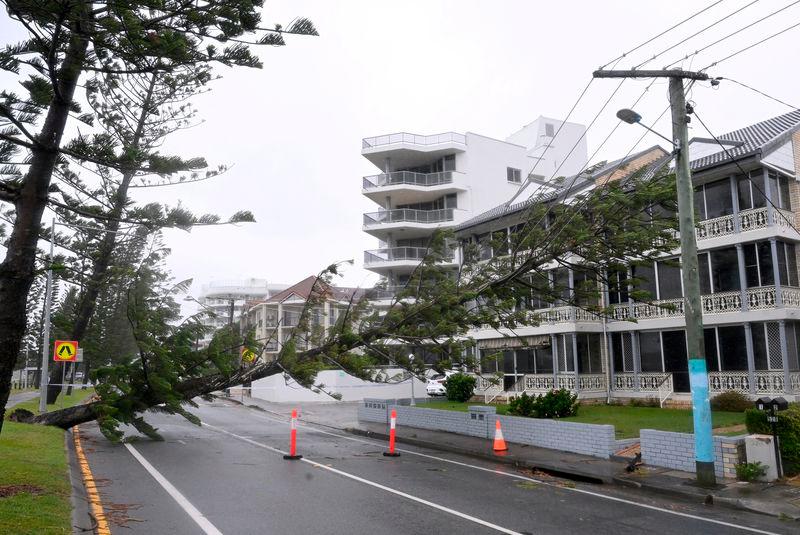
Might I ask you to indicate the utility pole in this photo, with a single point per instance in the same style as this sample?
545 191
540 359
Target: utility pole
698 375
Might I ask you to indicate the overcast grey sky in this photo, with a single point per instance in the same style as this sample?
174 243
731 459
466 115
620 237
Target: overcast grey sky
292 131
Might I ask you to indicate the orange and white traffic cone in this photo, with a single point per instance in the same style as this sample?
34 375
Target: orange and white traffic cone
392 425
499 441
293 439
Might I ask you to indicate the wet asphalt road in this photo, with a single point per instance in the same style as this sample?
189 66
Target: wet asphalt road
229 477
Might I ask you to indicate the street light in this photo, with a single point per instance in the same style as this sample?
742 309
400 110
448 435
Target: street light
631 117
411 365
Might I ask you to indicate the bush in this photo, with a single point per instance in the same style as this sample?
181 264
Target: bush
788 428
750 471
459 387
645 402
554 404
731 401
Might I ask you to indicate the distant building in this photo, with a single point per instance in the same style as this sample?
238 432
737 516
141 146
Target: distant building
218 296
276 318
439 181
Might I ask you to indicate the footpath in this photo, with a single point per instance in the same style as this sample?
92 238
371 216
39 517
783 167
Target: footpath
780 500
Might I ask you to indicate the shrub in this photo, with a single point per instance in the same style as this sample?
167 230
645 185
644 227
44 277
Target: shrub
788 428
554 404
731 401
521 405
645 402
459 387
750 471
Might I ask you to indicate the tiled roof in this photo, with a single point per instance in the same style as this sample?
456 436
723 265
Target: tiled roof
303 290
751 139
574 184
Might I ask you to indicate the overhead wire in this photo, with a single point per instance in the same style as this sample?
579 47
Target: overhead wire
679 43
687 19
776 99
743 28
748 47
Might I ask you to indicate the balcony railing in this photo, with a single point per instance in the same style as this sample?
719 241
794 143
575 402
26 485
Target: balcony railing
766 382
408 215
565 314
752 219
395 254
760 298
404 137
410 178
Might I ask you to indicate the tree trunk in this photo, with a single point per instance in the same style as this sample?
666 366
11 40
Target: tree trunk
88 301
18 267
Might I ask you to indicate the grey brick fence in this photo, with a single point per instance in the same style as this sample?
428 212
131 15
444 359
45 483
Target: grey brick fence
588 439
676 450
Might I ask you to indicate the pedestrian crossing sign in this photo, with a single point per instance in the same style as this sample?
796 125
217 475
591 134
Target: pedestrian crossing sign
248 355
65 351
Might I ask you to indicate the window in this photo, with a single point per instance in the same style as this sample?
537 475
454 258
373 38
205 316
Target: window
725 270
646 279
549 129
589 359
669 280
513 175
718 199
650 351
544 359
732 348
450 162
750 188
617 286
561 283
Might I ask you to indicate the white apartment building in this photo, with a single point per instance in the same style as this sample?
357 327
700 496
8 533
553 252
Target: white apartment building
274 320
428 182
218 296
747 203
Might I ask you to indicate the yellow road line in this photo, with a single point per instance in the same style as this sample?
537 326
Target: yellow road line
91 488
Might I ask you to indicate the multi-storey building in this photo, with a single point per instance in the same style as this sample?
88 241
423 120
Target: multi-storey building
226 300
438 181
275 319
746 201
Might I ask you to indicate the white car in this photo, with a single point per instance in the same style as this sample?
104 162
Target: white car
435 386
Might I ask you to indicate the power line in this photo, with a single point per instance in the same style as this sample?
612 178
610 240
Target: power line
759 92
698 33
728 154
743 28
634 49
549 143
750 46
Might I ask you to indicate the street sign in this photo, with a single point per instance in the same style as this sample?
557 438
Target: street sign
248 355
65 351
79 355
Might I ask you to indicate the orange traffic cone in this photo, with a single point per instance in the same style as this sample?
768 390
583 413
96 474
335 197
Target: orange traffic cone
499 441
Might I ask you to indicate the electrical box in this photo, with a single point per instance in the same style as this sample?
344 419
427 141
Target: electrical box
760 448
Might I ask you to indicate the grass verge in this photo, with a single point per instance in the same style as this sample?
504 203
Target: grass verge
64 401
627 421
34 482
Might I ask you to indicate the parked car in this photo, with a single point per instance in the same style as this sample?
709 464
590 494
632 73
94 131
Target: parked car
435 386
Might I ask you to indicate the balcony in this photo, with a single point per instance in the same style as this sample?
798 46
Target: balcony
398 259
407 187
749 220
413 223
411 150
413 139
759 298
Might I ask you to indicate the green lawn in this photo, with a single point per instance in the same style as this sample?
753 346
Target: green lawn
76 397
34 482
627 421
33 456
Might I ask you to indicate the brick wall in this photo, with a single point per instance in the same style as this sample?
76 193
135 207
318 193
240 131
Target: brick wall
676 450
588 439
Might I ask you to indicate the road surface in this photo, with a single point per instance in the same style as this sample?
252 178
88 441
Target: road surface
229 476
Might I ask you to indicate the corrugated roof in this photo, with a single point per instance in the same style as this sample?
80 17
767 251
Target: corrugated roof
574 183
751 139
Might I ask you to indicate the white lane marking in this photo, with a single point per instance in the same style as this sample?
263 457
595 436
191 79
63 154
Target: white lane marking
200 519
372 483
525 478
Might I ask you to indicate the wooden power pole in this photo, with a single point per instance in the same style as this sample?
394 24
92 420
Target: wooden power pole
698 375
